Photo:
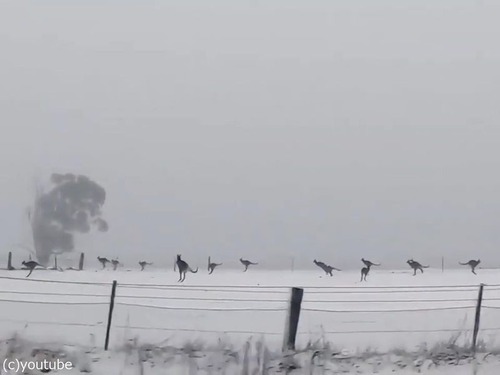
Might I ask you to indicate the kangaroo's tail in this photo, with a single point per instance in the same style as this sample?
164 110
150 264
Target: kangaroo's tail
425 266
336 269
463 264
254 263
376 264
193 271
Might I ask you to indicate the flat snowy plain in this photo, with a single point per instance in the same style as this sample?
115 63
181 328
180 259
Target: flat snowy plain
394 310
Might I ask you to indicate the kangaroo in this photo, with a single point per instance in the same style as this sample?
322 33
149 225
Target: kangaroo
416 266
247 263
366 270
115 263
143 264
211 266
472 264
31 265
183 268
328 269
103 261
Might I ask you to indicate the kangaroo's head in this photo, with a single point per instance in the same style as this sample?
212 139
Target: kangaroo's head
178 257
24 263
315 261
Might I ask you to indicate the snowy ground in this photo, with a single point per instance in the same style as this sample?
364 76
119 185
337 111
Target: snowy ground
216 315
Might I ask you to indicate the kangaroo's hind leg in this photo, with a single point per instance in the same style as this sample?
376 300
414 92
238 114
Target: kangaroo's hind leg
31 270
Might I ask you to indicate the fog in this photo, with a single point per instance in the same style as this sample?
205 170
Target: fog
268 130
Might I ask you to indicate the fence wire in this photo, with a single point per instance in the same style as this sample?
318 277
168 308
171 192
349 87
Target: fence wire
312 297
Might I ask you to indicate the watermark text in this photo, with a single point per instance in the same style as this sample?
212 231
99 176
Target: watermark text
16 366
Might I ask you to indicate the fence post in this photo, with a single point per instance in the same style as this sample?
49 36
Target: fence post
110 315
9 262
82 258
292 320
478 317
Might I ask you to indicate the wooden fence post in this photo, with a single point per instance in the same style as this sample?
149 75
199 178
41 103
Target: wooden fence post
292 320
82 258
478 317
110 315
9 262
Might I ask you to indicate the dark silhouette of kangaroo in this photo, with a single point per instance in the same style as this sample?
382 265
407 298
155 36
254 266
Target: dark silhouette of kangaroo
103 261
183 268
472 264
366 270
328 269
31 265
247 263
416 266
211 266
143 264
115 263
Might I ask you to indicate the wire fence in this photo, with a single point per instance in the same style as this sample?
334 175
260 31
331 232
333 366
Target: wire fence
325 311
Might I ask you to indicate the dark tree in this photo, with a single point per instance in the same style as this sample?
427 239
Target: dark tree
72 205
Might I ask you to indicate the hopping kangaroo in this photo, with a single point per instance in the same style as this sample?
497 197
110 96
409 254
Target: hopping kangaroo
328 269
247 263
143 264
472 264
183 268
416 266
366 270
103 261
31 265
211 266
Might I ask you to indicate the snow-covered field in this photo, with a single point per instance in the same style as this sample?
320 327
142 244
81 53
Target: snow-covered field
393 310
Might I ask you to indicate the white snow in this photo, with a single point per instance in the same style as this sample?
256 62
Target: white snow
231 306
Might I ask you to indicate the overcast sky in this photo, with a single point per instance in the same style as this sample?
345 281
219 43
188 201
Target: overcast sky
259 129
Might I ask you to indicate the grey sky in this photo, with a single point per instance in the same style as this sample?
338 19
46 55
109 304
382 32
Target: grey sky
263 129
